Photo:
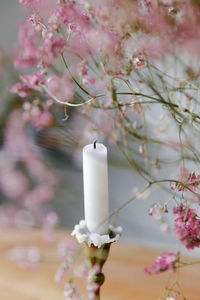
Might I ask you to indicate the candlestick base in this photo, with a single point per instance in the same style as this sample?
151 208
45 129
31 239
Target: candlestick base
97 249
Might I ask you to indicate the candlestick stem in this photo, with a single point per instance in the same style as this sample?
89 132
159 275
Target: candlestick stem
98 256
97 249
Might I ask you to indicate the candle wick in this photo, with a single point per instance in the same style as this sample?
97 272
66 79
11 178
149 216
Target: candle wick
95 144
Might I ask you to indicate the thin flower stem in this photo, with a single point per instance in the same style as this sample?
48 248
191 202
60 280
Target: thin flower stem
147 186
185 264
65 102
73 78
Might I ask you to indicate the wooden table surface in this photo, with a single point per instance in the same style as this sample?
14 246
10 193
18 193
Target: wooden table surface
125 279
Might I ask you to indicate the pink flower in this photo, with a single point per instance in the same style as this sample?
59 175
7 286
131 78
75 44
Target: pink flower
40 117
83 68
88 80
37 23
165 261
20 88
186 179
50 220
31 186
63 269
71 16
13 183
25 257
138 61
44 120
83 72
71 292
54 21
36 50
187 226
60 87
92 287
81 271
34 18
146 4
33 80
95 37
28 39
52 46
156 211
65 247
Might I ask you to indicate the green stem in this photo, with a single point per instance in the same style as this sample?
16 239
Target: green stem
73 78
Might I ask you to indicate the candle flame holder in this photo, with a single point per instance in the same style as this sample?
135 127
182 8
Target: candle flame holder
97 248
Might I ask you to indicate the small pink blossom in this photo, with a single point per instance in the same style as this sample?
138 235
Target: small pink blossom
71 16
31 186
43 120
65 252
138 61
33 80
20 88
13 183
186 179
65 247
63 269
28 39
37 23
50 221
81 271
34 18
60 87
71 292
92 286
35 50
38 113
91 289
165 261
25 257
83 72
141 195
187 226
52 46
54 21
147 4
83 68
110 42
156 211
88 80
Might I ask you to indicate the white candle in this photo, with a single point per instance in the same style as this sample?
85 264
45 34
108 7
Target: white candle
95 181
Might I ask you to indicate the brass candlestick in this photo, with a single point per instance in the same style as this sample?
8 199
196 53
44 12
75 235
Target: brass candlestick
97 248
98 256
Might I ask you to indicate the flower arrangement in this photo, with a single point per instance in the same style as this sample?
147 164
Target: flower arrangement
130 70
